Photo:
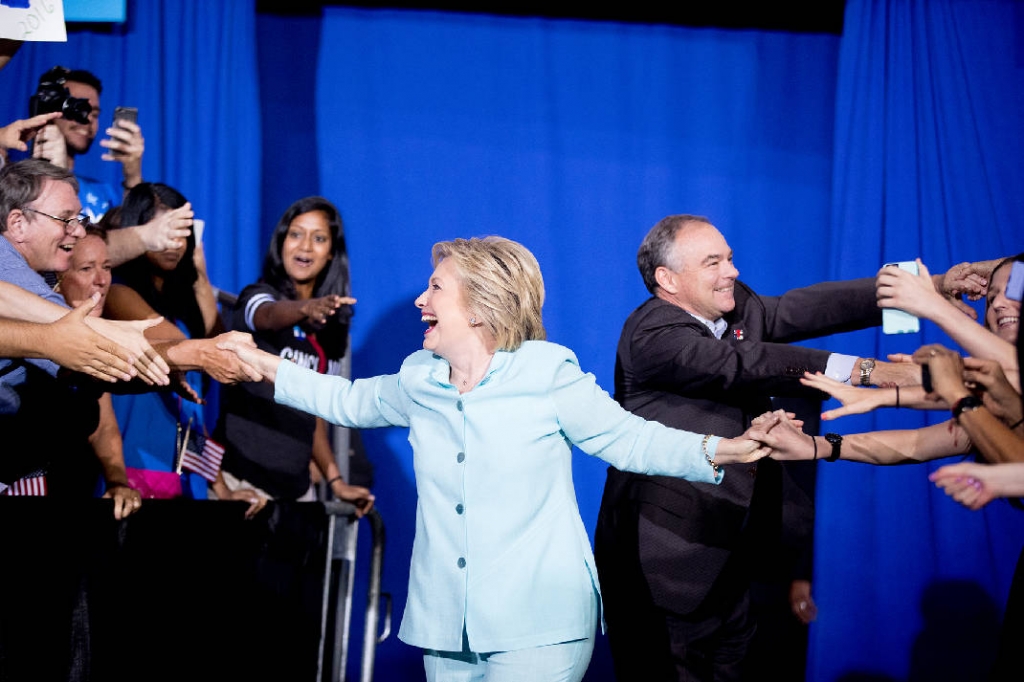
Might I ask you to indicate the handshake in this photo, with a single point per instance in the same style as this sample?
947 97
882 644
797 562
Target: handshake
774 434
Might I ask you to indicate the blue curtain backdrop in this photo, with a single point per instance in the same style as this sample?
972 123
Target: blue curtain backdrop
927 163
573 137
818 156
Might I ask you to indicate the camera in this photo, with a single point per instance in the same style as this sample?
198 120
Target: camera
52 95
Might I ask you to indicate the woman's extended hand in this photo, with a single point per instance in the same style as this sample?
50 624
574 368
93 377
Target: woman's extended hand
855 400
317 310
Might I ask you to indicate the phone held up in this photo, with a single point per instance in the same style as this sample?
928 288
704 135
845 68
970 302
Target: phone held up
126 114
894 320
1015 283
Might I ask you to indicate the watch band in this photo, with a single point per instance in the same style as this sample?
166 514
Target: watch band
968 403
867 365
836 441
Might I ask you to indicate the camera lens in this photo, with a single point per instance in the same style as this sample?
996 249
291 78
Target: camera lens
77 109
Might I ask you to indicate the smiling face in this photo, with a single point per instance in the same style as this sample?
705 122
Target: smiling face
79 136
443 308
89 273
702 277
45 243
1002 315
306 250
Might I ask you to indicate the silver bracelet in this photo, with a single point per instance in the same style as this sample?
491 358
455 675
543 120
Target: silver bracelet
707 455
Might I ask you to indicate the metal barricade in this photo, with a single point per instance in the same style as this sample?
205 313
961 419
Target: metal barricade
339 579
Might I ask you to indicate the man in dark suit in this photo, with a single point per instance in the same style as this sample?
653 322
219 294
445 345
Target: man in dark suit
707 354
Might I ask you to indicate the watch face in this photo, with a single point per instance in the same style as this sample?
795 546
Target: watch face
833 438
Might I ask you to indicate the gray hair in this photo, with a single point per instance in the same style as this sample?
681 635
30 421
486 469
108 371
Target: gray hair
658 247
22 183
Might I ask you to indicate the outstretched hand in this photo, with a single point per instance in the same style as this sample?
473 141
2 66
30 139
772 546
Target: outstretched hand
972 484
74 345
168 230
317 310
130 334
965 279
854 400
17 134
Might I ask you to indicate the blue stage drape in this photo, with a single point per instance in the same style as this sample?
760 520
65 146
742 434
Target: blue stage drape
575 138
927 164
818 156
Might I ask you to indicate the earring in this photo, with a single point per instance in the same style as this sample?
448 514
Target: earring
472 322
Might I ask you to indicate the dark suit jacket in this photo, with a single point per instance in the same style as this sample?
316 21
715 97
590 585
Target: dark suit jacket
670 368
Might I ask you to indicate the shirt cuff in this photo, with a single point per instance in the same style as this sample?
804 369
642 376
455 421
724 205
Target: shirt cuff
839 367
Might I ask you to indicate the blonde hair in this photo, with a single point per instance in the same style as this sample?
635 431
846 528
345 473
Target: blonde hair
502 285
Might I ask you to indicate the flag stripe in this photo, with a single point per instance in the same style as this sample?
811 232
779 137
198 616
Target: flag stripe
30 486
207 463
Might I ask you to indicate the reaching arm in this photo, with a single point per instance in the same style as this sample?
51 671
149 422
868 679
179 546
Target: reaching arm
70 343
167 231
905 446
274 315
203 290
323 455
916 294
993 439
106 443
858 400
19 304
974 484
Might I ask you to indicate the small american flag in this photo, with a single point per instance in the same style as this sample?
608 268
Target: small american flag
207 461
30 486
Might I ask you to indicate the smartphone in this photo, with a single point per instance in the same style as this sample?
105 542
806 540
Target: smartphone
1015 283
894 320
197 229
126 114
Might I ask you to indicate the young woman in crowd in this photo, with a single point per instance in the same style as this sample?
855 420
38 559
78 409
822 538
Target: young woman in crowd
158 426
298 310
102 456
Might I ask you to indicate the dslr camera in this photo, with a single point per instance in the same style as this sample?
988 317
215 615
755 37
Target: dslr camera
52 95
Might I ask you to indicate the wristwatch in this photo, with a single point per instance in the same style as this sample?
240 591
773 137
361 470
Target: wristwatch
968 403
866 366
837 444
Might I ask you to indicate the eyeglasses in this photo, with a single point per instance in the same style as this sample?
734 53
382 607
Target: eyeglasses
69 223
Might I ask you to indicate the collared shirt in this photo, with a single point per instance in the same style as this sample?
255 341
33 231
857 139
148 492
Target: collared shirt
499 545
14 269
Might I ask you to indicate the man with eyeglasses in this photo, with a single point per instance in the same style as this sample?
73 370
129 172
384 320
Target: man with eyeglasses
40 224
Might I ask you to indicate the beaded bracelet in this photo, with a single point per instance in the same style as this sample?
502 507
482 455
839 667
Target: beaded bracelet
707 455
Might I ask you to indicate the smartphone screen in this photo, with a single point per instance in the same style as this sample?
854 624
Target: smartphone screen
126 114
894 320
1015 283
